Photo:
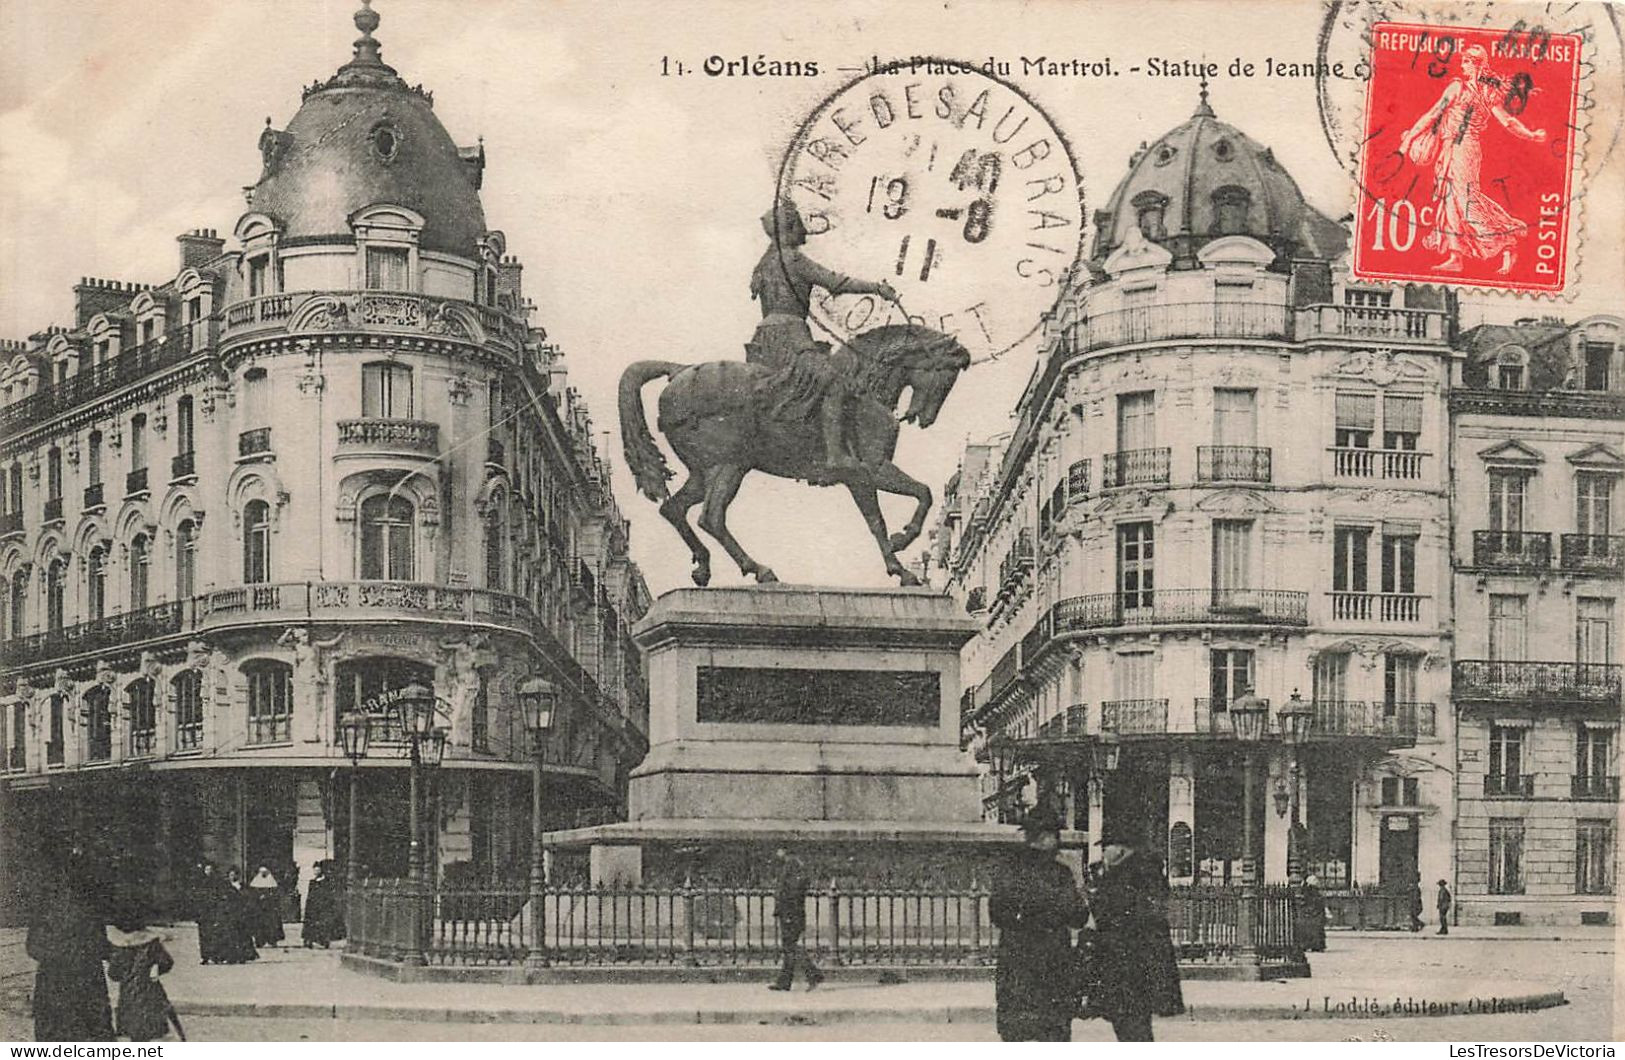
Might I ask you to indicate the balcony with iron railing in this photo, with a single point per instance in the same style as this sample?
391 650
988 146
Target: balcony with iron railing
1403 465
1134 717
254 442
1509 785
143 742
135 482
1594 787
1493 680
175 346
1403 721
1384 608
189 735
1137 467
1593 554
1267 607
95 496
270 729
1513 551
97 635
11 522
1233 463
386 435
183 466
53 509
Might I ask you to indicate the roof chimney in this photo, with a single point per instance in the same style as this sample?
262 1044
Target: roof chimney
199 247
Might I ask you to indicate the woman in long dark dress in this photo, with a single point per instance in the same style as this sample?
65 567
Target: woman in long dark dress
236 922
1311 926
209 903
323 920
143 1003
67 936
1137 971
1035 902
267 904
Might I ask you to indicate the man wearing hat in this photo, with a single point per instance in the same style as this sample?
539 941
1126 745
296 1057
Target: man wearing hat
1035 901
1137 971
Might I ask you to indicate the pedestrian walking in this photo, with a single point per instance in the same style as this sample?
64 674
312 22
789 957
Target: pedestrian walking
138 958
324 919
1310 926
67 937
266 902
790 908
1442 901
1416 903
1035 903
209 903
1137 972
236 938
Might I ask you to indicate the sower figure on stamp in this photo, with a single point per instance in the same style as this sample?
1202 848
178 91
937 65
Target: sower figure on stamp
790 907
806 378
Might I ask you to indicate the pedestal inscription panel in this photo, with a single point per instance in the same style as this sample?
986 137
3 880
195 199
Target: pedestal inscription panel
785 696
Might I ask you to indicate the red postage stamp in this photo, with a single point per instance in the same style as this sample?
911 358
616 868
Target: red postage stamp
1466 172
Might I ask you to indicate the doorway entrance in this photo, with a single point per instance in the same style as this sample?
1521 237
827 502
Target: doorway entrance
1396 869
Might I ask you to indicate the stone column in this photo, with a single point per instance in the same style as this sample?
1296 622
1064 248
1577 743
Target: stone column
311 841
1181 809
456 823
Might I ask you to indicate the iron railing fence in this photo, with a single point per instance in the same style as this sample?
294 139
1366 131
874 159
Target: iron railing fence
1233 463
1514 550
1499 679
736 926
1594 553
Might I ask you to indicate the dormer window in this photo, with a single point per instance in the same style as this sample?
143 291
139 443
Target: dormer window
1598 358
1230 205
386 142
259 272
388 268
1149 207
1510 369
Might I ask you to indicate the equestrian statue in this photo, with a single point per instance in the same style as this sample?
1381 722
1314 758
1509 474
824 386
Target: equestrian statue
792 408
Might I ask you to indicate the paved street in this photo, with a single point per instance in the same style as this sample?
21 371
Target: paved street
1582 968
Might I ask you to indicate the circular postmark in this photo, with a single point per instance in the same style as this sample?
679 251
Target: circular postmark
946 183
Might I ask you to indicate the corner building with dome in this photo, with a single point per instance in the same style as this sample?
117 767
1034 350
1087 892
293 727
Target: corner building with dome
1229 485
328 459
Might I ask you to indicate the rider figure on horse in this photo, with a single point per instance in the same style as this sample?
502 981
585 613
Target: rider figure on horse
805 375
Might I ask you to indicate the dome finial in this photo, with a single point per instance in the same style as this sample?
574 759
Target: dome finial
1202 108
366 20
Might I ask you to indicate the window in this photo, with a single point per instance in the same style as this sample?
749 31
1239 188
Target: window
1149 207
1401 791
19 604
1506 752
1508 628
1593 503
1594 752
55 722
1509 376
1597 358
185 559
194 309
365 684
93 458
1506 500
386 538
1230 210
479 729
256 387
386 390
53 474
387 268
1594 630
56 578
139 699
1135 675
1232 563
493 554
138 442
1594 857
1506 855
98 718
1350 548
256 543
1398 680
1136 421
183 425
96 583
1356 420
270 701
140 568
1399 562
259 275
1235 417
15 475
1401 421
1331 677
149 330
1366 299
1230 673
18 758
1135 573
187 688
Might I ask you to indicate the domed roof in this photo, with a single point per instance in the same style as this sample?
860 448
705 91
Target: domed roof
361 138
1210 179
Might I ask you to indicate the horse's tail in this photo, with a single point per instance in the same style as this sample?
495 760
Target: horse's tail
643 457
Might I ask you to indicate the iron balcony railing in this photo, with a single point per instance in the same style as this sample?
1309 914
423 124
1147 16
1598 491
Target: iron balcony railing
53 509
1592 786
1077 480
254 442
176 345
1233 463
1509 785
1347 718
143 742
1594 553
1512 550
1400 464
96 635
270 728
416 436
189 735
183 465
1185 320
1137 467
11 522
1502 681
95 495
1134 717
135 482
1212 716
1376 607
1151 607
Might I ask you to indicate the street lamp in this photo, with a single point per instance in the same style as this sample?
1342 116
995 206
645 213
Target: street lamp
1001 756
355 735
1248 718
426 744
1296 719
538 701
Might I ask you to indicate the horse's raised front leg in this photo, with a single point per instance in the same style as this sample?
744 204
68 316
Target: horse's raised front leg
675 509
889 478
721 486
869 505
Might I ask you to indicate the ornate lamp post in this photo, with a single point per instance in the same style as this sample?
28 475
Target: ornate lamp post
426 744
1000 755
1295 719
538 701
1248 718
355 735
1104 757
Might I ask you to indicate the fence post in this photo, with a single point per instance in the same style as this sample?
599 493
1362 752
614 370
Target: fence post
688 923
834 924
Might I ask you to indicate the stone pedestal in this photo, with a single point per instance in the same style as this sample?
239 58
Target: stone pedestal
823 718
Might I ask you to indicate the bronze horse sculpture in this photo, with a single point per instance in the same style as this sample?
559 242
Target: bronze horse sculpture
724 420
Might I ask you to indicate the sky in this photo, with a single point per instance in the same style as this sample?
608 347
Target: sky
631 197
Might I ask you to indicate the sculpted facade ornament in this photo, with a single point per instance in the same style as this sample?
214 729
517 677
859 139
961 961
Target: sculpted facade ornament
1383 367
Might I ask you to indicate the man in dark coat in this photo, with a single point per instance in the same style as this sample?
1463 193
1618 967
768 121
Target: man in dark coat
790 907
67 936
324 920
1416 903
1311 921
1137 971
1443 903
1035 902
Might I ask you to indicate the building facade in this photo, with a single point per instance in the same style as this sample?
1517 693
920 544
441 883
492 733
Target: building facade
1537 439
328 459
1227 478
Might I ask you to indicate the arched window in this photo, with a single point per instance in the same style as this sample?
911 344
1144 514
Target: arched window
140 569
93 460
19 604
96 583
15 491
1149 207
270 701
256 543
1230 205
53 475
56 577
494 530
386 390
1511 363
54 729
367 685
143 710
386 538
184 431
98 719
185 559
187 688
